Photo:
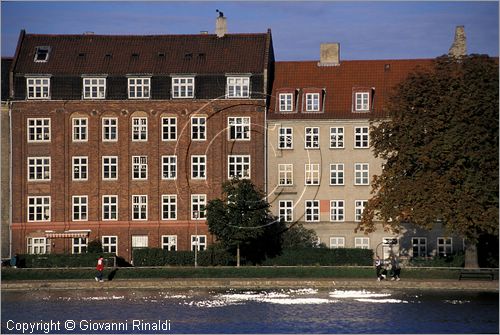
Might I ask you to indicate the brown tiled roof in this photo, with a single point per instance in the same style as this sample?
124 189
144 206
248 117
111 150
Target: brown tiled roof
155 54
339 83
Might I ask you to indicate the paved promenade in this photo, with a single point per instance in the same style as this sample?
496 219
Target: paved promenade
257 283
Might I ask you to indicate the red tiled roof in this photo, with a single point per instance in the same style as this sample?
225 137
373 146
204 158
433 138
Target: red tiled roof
339 83
201 54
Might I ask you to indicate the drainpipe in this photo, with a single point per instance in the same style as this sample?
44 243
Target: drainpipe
10 179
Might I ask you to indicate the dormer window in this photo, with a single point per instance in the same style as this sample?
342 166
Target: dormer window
38 87
42 54
182 87
94 88
286 102
362 101
238 87
312 102
138 88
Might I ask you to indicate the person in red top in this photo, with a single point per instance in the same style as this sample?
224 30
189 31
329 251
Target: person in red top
100 269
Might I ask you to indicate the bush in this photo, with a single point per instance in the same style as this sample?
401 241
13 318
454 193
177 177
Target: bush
456 260
64 260
323 256
214 255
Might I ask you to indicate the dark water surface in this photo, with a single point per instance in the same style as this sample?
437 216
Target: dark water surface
263 311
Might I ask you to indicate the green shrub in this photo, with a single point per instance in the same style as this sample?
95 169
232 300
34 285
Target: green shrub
323 256
64 260
456 260
214 255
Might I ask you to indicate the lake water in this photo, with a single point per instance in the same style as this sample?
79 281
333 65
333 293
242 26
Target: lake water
245 311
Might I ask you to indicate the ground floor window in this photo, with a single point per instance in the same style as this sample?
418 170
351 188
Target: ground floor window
169 242
139 241
362 242
444 246
200 240
37 245
79 245
110 244
337 242
419 245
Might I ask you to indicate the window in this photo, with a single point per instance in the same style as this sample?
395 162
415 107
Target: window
94 88
286 210
198 204
361 103
286 102
198 167
139 167
138 88
312 138
337 242
336 210
169 167
336 137
312 174
139 129
285 174
359 207
239 166
169 128
110 129
200 241
38 88
361 174
80 129
198 128
444 246
169 207
312 210
238 87
80 208
419 245
110 244
38 130
80 168
139 241
337 174
169 242
42 54
362 242
39 208
239 128
183 87
285 139
109 207
139 207
361 137
109 167
79 245
38 168
312 102
37 245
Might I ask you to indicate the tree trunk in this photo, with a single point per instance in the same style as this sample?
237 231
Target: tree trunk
238 255
471 261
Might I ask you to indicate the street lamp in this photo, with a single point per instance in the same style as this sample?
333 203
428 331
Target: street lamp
195 216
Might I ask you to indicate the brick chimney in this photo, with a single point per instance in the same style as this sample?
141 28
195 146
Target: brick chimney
220 25
329 54
459 46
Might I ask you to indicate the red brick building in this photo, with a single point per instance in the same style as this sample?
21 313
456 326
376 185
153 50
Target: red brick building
125 139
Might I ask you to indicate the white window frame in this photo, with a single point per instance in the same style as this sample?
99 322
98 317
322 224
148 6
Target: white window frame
109 167
139 87
169 242
361 174
198 128
39 169
139 129
37 245
38 88
94 88
419 243
312 174
140 241
80 129
312 210
82 164
139 207
239 128
38 130
285 174
337 210
199 167
169 128
359 207
110 244
183 87
362 242
285 102
198 204
239 166
139 167
80 208
110 207
285 138
42 51
312 102
337 174
285 210
109 129
169 167
238 87
79 245
444 246
362 101
337 242
361 137
336 137
198 241
311 138
39 209
169 207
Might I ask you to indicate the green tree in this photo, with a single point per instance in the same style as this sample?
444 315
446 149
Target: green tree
298 236
243 223
440 146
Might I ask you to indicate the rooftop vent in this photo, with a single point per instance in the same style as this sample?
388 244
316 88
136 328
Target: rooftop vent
329 54
161 54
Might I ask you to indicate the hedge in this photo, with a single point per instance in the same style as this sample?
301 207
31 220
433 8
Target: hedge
161 257
323 257
64 260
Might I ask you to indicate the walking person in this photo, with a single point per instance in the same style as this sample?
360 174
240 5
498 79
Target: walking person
396 268
378 267
100 269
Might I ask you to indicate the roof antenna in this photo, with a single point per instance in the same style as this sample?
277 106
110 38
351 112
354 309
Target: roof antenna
221 14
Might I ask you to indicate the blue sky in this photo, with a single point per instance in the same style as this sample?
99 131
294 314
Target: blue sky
364 29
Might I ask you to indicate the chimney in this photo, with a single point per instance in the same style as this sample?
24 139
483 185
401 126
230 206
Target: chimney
220 25
459 47
329 54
